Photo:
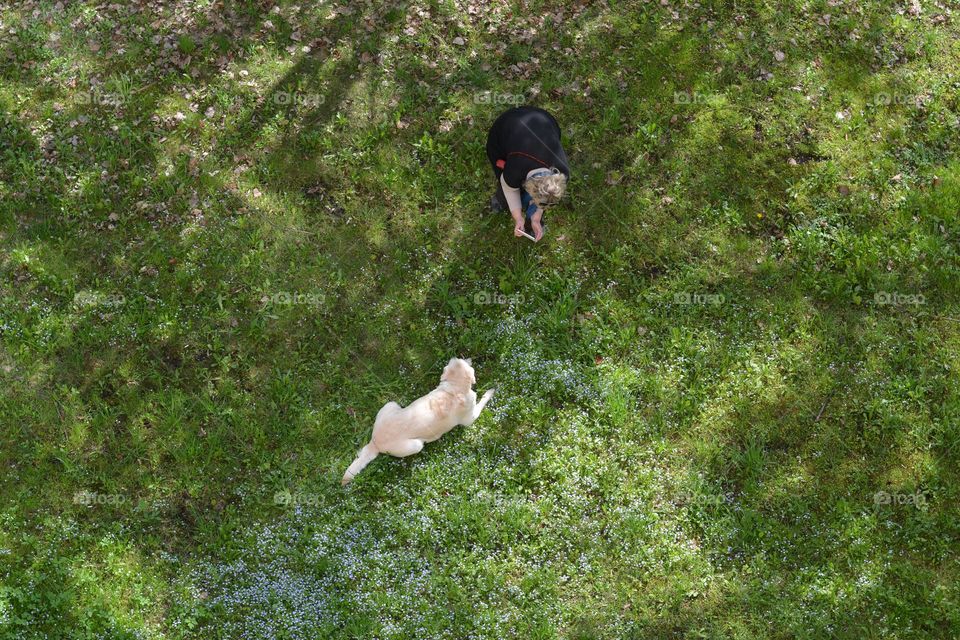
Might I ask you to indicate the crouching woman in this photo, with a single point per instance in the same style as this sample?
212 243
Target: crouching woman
530 167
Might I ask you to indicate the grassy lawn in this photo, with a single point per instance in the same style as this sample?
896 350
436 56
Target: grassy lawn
728 401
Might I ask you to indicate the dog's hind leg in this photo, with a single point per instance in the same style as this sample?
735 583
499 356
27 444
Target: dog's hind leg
405 448
386 409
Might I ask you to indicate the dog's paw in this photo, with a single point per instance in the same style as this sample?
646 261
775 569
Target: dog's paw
489 393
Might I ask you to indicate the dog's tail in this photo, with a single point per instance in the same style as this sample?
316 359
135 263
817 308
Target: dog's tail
366 455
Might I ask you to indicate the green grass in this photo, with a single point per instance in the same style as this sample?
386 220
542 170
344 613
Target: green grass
221 253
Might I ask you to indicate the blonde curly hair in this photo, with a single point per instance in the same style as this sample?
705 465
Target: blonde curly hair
546 189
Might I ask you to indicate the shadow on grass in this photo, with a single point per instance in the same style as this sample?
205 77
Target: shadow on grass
210 388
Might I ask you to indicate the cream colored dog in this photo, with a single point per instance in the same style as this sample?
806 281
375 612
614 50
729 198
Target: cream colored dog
402 431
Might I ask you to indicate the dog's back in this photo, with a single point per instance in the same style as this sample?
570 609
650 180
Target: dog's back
427 418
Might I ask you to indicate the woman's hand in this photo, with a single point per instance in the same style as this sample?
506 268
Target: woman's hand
536 224
517 223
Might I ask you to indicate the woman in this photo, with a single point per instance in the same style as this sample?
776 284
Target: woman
530 166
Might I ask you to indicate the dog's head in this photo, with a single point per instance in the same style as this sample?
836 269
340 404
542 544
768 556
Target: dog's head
459 371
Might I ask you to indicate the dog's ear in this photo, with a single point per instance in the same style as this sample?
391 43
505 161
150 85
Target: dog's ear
469 361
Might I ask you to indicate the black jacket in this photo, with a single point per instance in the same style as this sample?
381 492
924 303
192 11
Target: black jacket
526 138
